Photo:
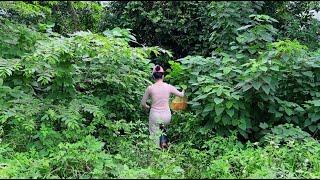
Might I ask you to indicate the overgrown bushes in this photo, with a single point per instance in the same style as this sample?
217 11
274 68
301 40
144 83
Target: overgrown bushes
69 104
214 157
254 86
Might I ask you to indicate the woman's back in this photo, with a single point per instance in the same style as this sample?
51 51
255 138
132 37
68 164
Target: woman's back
160 93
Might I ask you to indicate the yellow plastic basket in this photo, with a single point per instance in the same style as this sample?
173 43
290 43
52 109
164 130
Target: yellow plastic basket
179 103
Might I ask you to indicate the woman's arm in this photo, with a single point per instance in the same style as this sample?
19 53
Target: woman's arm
145 98
176 92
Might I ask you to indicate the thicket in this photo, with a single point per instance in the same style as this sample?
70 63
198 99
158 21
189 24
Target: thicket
72 75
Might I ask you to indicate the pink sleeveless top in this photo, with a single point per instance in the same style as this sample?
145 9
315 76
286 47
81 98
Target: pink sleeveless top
160 93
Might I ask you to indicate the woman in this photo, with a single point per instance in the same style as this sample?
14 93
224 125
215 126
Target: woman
159 93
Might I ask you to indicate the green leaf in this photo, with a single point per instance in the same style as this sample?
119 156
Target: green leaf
234 47
288 111
207 89
225 120
234 122
308 73
184 87
300 109
267 37
219 110
246 87
266 79
209 107
315 117
278 114
235 96
307 123
243 133
266 89
217 118
201 97
316 103
218 75
256 84
244 27
275 68
218 100
239 56
230 112
194 103
219 91
229 104
312 128
263 125
243 124
263 68
226 70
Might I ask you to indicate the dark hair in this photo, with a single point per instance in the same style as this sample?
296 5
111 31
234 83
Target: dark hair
157 75
157 68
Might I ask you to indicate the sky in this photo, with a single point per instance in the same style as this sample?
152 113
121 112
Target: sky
317 15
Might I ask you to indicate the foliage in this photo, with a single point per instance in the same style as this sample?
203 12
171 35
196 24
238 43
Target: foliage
227 17
16 39
154 23
218 158
295 20
279 83
286 133
72 16
70 92
198 28
67 16
25 13
63 93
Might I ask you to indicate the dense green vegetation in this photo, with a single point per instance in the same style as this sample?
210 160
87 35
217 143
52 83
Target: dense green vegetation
72 75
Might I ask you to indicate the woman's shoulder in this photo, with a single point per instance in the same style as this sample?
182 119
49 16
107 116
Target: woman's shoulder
169 85
150 86
163 85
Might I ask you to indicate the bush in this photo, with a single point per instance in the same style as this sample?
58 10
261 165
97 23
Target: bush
281 82
69 105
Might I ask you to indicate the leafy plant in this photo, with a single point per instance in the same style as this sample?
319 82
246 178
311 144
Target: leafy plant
69 101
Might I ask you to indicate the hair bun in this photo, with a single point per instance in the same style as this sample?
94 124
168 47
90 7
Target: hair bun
157 68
